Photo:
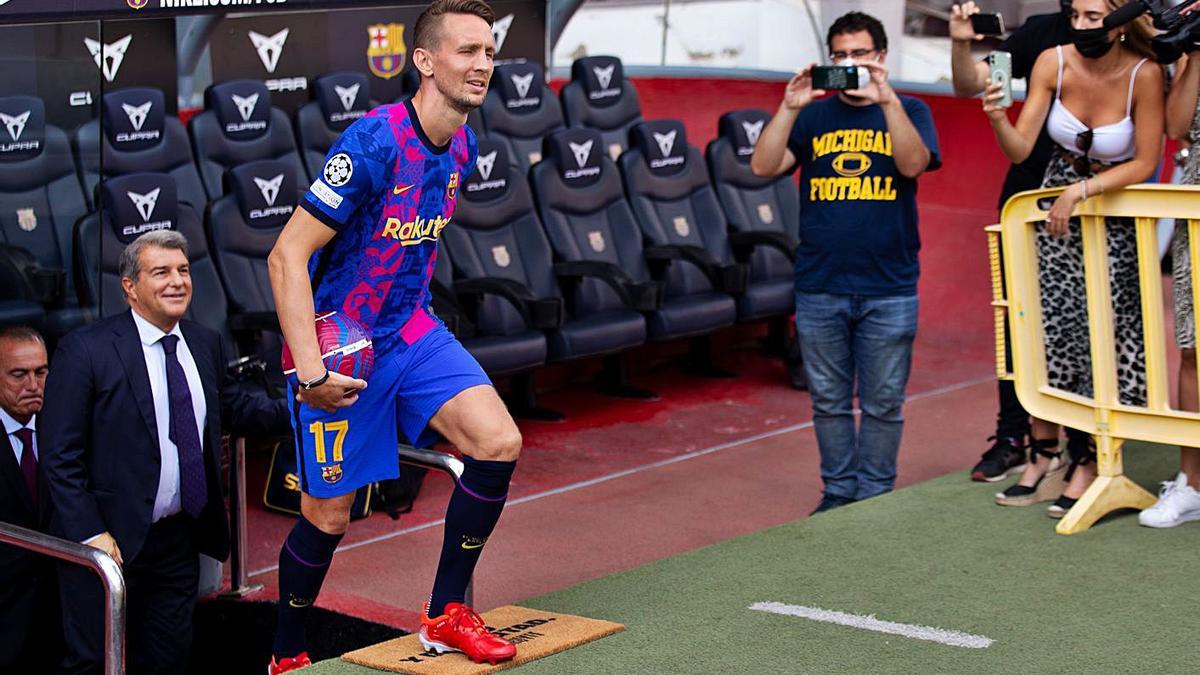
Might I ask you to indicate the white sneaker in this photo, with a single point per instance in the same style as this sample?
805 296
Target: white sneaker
1177 504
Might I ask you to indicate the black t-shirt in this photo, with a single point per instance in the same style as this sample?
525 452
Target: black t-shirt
1039 33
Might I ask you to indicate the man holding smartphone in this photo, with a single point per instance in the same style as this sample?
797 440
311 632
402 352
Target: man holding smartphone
860 153
1006 456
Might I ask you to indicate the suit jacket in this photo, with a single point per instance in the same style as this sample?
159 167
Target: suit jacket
99 440
17 564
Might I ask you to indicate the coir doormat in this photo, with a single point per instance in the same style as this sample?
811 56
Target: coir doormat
536 633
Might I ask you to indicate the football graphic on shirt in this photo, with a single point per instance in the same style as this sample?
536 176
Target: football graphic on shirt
345 346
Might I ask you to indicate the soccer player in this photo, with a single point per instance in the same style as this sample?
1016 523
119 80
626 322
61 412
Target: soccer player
364 243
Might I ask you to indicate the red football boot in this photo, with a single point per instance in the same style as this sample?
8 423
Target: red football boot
461 629
288 664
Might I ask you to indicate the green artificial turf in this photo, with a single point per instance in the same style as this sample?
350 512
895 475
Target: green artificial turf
1118 598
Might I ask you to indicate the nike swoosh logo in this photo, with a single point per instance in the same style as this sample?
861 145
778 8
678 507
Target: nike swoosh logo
468 547
401 190
299 604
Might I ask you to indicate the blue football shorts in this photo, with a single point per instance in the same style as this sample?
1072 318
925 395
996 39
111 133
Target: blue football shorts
342 451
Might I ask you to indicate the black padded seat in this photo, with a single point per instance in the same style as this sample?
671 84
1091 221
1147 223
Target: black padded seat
243 226
138 136
338 100
758 210
670 194
40 200
499 235
239 125
131 205
599 97
580 197
520 110
500 341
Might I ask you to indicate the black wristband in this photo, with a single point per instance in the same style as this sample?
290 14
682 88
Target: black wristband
316 382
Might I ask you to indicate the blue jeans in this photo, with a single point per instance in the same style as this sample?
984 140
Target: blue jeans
849 338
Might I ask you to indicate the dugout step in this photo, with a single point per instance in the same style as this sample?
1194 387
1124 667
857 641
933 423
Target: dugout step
536 633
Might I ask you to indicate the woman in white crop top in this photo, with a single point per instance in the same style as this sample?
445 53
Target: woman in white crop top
1101 101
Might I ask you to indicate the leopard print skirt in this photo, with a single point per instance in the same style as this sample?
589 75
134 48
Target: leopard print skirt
1181 257
1064 300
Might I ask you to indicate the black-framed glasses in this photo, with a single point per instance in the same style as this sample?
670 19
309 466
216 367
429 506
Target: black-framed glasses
1083 141
854 53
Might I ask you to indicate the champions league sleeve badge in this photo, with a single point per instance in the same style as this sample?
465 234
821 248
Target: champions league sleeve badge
338 170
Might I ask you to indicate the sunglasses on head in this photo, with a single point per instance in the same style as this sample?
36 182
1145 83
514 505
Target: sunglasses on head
1081 164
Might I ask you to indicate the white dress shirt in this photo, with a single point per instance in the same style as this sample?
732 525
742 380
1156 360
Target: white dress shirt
11 426
167 501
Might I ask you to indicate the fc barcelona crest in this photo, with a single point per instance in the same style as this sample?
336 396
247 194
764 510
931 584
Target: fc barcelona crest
27 219
331 473
765 213
596 240
500 255
386 49
681 226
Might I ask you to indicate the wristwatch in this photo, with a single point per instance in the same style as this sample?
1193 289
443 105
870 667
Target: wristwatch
315 382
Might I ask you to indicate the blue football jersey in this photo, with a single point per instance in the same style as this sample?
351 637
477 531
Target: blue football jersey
388 191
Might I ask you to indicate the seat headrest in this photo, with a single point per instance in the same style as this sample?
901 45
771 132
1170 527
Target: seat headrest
266 192
741 128
490 178
24 132
519 86
243 108
602 77
663 144
343 97
134 118
137 203
576 154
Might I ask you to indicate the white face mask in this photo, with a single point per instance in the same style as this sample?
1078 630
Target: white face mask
848 61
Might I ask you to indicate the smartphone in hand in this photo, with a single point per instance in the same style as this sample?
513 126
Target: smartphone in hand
840 77
1000 71
987 24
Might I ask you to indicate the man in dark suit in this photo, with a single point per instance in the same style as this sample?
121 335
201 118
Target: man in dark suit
30 630
131 445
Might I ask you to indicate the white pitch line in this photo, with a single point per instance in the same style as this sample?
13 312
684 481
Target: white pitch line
938 391
952 638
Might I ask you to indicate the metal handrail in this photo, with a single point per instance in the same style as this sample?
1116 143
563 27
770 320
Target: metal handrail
238 583
104 566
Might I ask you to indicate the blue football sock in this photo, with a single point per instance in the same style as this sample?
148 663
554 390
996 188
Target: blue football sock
471 516
303 562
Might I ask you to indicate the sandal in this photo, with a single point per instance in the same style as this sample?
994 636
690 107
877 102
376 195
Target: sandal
1047 487
1079 457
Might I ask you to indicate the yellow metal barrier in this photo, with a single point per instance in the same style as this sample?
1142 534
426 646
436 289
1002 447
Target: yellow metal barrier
1102 415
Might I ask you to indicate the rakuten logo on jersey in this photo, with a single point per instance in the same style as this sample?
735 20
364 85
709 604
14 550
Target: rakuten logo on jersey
415 231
